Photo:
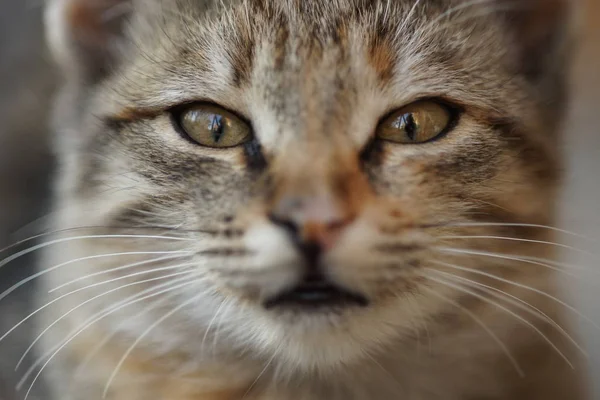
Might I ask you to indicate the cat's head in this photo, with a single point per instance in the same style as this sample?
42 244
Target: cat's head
319 160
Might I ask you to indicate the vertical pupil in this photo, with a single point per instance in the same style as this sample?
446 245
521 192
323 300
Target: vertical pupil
216 127
410 126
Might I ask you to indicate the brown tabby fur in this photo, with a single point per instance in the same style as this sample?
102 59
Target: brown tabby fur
313 78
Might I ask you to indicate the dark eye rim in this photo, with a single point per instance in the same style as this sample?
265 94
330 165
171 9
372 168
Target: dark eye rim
176 113
454 109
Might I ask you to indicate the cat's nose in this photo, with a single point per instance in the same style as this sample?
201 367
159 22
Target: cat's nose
313 223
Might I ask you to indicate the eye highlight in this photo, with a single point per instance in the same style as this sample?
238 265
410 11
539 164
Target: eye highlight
212 126
416 123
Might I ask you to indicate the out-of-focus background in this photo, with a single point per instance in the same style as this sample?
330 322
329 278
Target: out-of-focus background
27 81
26 84
580 206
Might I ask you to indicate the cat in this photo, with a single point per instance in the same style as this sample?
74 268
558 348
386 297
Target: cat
294 199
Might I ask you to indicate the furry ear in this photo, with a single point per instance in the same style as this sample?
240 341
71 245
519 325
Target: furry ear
86 35
543 31
544 37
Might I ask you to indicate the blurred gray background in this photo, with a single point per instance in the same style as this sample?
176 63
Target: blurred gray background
27 81
580 206
26 84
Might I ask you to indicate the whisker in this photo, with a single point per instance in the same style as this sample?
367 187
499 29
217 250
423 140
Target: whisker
32 228
538 291
517 225
385 371
513 239
142 336
508 311
210 324
55 232
123 267
218 330
81 367
95 318
83 304
64 240
482 324
508 257
92 227
517 302
546 262
54 268
267 365
58 299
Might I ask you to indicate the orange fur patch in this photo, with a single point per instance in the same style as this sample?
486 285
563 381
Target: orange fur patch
381 57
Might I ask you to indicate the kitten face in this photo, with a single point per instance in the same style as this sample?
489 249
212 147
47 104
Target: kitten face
315 196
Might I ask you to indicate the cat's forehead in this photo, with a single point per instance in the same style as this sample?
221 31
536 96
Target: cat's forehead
403 25
228 46
318 66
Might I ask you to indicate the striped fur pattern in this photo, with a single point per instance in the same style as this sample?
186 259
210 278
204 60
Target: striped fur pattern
161 285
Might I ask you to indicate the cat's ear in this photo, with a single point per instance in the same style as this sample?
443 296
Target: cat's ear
543 30
86 36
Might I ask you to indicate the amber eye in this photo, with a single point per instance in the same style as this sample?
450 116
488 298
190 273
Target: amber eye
212 126
416 123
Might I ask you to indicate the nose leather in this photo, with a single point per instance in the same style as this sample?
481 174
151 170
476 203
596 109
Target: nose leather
313 224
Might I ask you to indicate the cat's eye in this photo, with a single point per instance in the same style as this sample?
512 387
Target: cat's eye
212 126
416 123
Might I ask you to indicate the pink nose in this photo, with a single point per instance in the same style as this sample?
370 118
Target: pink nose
316 220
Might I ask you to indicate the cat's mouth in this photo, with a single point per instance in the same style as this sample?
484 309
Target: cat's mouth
317 295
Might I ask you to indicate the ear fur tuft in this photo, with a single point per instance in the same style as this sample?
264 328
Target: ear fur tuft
543 30
85 35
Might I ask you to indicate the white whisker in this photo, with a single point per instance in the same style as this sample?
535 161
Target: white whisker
89 287
87 302
54 268
181 254
217 334
62 231
517 302
482 324
563 265
540 292
95 318
77 291
210 324
517 225
64 240
106 311
508 257
385 371
266 367
81 367
508 311
564 246
142 336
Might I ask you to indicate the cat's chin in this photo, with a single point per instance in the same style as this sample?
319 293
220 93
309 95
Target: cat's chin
325 338
323 342
316 341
